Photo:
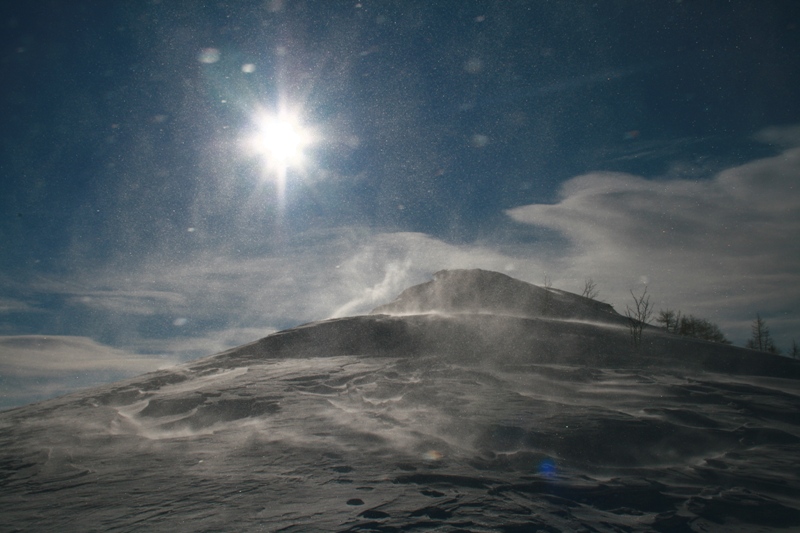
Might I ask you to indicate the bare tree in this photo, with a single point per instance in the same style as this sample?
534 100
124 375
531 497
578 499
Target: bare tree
669 319
590 289
794 351
638 316
761 338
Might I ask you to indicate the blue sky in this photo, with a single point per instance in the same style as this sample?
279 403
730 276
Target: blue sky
630 142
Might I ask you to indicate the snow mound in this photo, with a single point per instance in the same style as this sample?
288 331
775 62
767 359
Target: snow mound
482 291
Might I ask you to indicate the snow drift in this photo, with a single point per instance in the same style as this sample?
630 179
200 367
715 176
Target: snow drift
474 402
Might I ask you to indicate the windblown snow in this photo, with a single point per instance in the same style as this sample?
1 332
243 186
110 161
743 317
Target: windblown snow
474 402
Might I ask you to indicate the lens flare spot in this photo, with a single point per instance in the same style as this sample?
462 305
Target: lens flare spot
433 455
208 55
547 468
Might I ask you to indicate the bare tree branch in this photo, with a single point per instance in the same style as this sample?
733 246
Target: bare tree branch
638 316
590 289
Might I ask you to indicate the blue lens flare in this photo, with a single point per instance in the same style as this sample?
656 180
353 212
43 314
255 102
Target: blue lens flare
547 468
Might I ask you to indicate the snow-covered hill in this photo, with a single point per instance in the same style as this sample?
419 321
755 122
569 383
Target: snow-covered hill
481 291
461 406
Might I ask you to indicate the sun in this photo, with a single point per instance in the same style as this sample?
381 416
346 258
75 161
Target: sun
281 140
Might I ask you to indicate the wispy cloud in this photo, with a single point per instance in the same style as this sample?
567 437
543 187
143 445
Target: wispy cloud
725 247
11 305
786 136
141 302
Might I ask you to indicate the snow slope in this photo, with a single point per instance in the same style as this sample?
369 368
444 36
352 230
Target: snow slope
484 415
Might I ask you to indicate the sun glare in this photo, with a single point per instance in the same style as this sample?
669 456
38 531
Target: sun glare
281 140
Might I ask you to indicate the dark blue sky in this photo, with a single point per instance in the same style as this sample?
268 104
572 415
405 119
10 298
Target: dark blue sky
632 142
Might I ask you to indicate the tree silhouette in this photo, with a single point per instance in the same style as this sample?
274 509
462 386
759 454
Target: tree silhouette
761 339
590 289
638 316
690 326
669 319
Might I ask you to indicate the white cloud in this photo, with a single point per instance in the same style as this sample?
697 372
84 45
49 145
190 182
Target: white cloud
54 355
723 248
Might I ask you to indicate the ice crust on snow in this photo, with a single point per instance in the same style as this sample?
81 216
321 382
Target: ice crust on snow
459 406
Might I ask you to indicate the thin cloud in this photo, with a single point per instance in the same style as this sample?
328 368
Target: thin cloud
142 302
11 305
110 290
786 136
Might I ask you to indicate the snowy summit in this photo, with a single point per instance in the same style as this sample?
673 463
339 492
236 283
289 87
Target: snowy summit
473 402
481 291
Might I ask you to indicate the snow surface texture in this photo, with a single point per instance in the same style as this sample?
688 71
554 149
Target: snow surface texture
483 416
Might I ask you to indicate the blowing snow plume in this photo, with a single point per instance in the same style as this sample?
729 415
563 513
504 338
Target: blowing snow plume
474 402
